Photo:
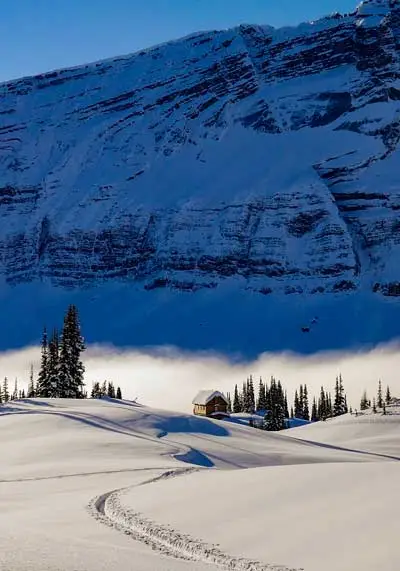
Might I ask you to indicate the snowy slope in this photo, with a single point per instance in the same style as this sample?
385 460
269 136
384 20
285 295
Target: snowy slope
250 164
101 485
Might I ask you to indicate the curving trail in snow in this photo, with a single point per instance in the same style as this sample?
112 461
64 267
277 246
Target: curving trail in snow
109 509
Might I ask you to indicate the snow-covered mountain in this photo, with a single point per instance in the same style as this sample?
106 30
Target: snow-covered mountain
257 160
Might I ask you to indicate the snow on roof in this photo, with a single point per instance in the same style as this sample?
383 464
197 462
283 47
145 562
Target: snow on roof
204 397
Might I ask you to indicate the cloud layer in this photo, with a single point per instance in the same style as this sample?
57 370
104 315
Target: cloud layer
167 378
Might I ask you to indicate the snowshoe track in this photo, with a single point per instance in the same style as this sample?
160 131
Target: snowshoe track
109 509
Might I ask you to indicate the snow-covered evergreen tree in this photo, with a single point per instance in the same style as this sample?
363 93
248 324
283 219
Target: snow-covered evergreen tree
306 411
388 396
364 403
314 411
43 387
379 400
111 390
53 383
261 395
71 368
31 385
119 393
6 394
236 400
14 395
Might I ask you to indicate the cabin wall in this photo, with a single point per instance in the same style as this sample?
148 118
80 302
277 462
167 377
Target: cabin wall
200 409
217 404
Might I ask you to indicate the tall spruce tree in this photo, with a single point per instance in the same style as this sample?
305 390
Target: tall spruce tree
388 396
306 411
322 412
286 406
261 395
43 387
96 391
314 412
229 405
364 403
14 395
111 390
379 400
119 393
31 385
296 404
6 394
71 368
275 417
54 388
236 400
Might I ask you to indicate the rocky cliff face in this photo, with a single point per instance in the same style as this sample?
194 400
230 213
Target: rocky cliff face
268 157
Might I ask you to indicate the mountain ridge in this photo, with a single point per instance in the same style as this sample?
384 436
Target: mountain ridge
255 157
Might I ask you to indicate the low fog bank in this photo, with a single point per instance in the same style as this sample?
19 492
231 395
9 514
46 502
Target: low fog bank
168 378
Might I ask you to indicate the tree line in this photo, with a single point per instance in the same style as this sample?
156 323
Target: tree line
61 372
378 402
272 402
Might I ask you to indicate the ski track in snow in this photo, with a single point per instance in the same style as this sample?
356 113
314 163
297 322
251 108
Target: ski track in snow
109 510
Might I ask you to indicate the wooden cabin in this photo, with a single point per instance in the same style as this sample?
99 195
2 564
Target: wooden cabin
210 403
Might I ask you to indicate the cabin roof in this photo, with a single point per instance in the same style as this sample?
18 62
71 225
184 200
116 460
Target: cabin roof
204 397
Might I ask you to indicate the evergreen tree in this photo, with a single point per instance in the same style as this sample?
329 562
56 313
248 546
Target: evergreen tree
229 406
1 394
301 402
261 395
43 387
388 397
111 390
329 406
339 406
297 408
275 417
314 413
236 400
286 406
103 389
119 393
249 400
267 396
6 394
374 406
96 391
244 398
14 395
291 412
71 368
323 404
54 388
306 411
31 386
364 403
379 400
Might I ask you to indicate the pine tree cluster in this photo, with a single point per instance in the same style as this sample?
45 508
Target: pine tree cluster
380 402
61 368
271 400
6 396
301 409
105 390
273 403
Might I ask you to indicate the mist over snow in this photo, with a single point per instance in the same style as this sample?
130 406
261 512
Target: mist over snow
168 378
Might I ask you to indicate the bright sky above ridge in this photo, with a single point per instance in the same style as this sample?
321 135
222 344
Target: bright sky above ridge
40 35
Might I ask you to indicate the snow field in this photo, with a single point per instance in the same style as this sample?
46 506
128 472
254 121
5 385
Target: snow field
100 485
